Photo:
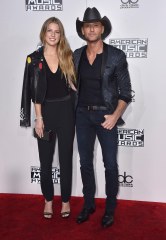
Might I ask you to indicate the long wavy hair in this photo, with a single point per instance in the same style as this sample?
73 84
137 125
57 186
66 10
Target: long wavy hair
64 51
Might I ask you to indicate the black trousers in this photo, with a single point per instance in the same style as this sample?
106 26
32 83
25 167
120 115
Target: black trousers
58 116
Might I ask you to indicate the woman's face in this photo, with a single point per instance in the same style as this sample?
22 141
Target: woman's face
52 35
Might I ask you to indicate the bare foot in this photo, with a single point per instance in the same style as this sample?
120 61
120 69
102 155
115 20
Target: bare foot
48 212
65 212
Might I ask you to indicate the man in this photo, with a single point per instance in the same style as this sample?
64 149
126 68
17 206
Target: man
104 90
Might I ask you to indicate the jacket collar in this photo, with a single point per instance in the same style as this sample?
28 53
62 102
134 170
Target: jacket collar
104 56
39 53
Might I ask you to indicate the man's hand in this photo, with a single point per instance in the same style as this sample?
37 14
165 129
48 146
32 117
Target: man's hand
110 121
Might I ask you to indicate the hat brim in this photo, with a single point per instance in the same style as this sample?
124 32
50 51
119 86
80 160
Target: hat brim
105 22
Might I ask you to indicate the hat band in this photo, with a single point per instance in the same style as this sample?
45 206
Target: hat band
92 20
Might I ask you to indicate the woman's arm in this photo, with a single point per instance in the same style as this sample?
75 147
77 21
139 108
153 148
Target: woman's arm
39 125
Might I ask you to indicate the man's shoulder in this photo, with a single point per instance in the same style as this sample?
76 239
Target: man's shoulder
114 50
79 50
77 54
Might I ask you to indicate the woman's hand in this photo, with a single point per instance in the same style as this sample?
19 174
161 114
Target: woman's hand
39 127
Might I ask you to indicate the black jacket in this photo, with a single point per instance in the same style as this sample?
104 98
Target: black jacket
34 85
115 76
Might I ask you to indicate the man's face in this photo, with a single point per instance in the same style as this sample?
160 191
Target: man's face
92 31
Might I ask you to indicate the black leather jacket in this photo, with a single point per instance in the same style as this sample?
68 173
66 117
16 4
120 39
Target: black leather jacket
115 76
34 85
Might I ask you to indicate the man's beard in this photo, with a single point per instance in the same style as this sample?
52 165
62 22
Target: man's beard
93 41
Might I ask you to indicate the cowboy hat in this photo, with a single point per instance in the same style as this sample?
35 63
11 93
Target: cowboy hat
93 15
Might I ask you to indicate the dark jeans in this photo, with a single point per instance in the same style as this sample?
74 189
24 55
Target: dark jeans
59 117
88 125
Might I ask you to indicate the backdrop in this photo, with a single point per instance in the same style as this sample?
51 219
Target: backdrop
137 30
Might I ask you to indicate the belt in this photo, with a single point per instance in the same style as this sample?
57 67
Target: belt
67 97
95 108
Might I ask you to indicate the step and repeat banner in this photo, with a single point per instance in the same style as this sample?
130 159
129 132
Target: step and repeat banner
137 29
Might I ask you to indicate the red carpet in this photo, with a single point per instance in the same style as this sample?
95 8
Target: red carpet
21 219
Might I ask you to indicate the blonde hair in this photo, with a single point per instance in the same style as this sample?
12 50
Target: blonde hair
64 52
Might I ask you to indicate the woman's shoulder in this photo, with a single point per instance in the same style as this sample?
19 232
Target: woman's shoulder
35 56
37 53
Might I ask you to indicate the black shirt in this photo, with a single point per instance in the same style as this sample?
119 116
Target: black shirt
90 81
56 83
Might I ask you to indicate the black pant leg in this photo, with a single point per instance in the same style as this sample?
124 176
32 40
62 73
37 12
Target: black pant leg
46 151
59 117
65 134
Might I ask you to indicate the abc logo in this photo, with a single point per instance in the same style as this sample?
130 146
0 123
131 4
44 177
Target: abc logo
129 1
125 178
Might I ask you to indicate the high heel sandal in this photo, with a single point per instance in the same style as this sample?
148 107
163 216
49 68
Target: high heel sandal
65 214
46 214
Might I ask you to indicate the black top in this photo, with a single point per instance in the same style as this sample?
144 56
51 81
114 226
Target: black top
56 83
90 81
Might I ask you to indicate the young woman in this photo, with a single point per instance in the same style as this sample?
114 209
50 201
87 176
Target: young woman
48 81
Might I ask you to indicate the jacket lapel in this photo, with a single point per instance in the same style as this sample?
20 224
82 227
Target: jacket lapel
104 59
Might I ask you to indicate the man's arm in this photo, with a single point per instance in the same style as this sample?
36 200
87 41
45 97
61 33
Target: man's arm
124 86
111 119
